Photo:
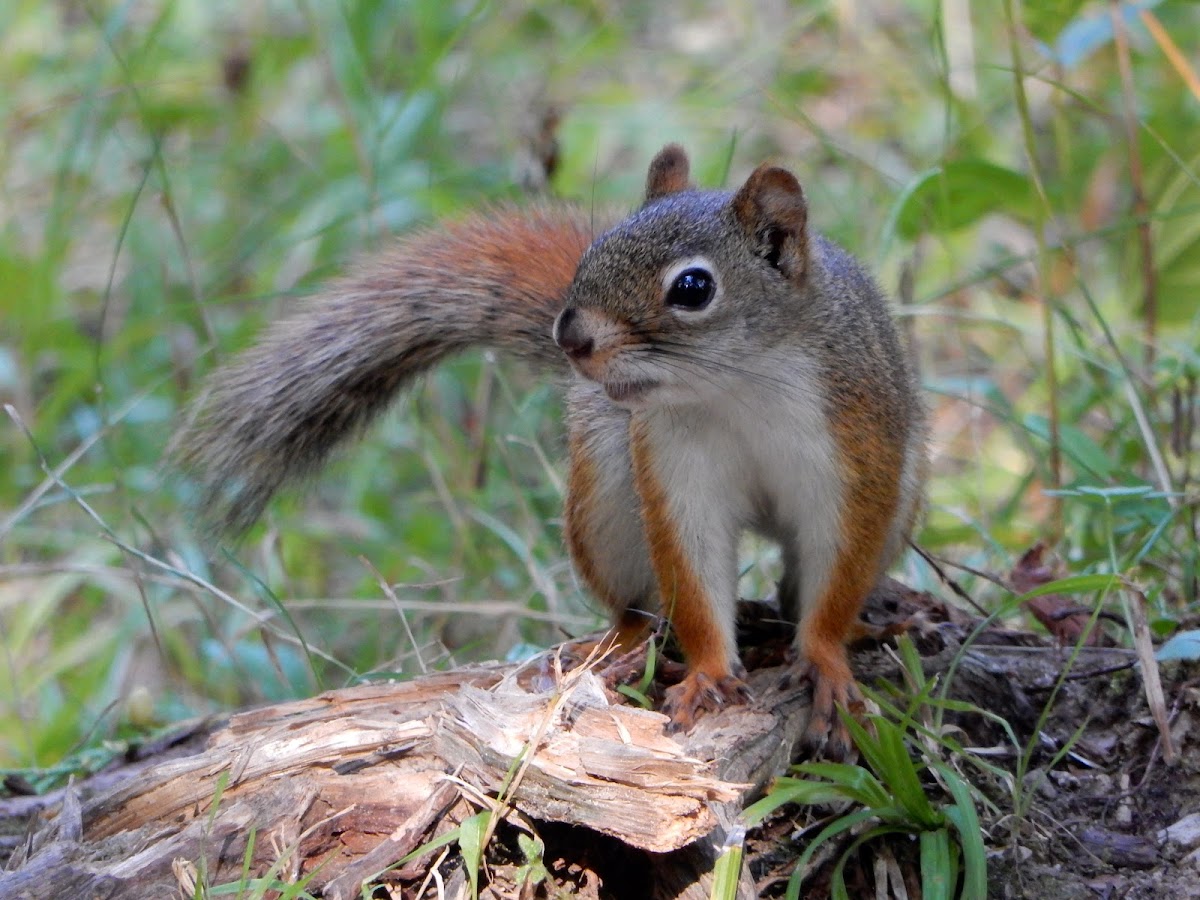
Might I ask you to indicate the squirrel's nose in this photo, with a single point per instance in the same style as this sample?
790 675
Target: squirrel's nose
570 336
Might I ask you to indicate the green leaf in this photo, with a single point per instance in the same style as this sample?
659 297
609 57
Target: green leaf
866 743
966 821
1118 492
248 856
801 791
1081 450
937 871
855 782
910 657
1074 584
728 868
533 871
1046 18
1176 242
647 678
900 774
638 697
959 193
470 842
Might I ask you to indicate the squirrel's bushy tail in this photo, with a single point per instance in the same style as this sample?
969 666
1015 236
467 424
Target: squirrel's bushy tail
319 376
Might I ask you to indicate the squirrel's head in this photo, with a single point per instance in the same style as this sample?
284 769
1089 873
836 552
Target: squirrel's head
681 290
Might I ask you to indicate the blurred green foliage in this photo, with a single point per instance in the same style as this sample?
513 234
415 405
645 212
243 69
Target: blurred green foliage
173 174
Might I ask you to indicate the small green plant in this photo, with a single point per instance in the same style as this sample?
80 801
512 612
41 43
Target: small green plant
638 693
902 786
891 798
249 888
533 871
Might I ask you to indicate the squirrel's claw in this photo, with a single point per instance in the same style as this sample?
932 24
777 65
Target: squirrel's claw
700 691
825 735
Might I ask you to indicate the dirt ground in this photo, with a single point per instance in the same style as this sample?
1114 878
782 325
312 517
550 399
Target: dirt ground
1104 815
1110 820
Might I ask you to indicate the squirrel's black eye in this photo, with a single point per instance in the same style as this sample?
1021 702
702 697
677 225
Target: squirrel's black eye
692 289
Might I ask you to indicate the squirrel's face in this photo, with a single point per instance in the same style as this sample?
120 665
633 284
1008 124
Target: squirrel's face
677 302
644 293
695 290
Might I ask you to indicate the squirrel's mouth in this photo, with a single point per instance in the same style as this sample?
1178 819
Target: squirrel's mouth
628 392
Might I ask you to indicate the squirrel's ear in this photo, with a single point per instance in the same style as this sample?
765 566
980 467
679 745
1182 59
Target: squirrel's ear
668 173
772 209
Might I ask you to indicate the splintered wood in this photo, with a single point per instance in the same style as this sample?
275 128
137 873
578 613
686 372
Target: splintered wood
341 787
359 792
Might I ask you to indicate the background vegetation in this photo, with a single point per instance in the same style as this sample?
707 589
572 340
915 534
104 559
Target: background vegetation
173 174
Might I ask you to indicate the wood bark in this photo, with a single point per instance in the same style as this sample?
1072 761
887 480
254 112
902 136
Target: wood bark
341 786
337 790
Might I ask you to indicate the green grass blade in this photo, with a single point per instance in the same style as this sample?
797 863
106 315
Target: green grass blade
833 829
937 874
900 774
854 782
970 834
470 842
728 869
796 790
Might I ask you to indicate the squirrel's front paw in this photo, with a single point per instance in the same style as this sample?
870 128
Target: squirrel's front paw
826 734
699 691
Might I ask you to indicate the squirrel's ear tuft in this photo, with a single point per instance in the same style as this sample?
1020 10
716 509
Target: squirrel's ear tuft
772 209
668 173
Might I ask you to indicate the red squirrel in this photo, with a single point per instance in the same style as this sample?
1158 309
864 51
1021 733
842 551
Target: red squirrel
734 370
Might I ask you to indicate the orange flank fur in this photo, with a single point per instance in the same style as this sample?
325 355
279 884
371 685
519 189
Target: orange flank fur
630 627
581 500
710 680
629 630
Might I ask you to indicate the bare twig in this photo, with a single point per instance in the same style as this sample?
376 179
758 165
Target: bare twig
1171 51
936 564
1151 683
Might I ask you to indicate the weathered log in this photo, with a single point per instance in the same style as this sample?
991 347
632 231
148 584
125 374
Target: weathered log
341 786
337 790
